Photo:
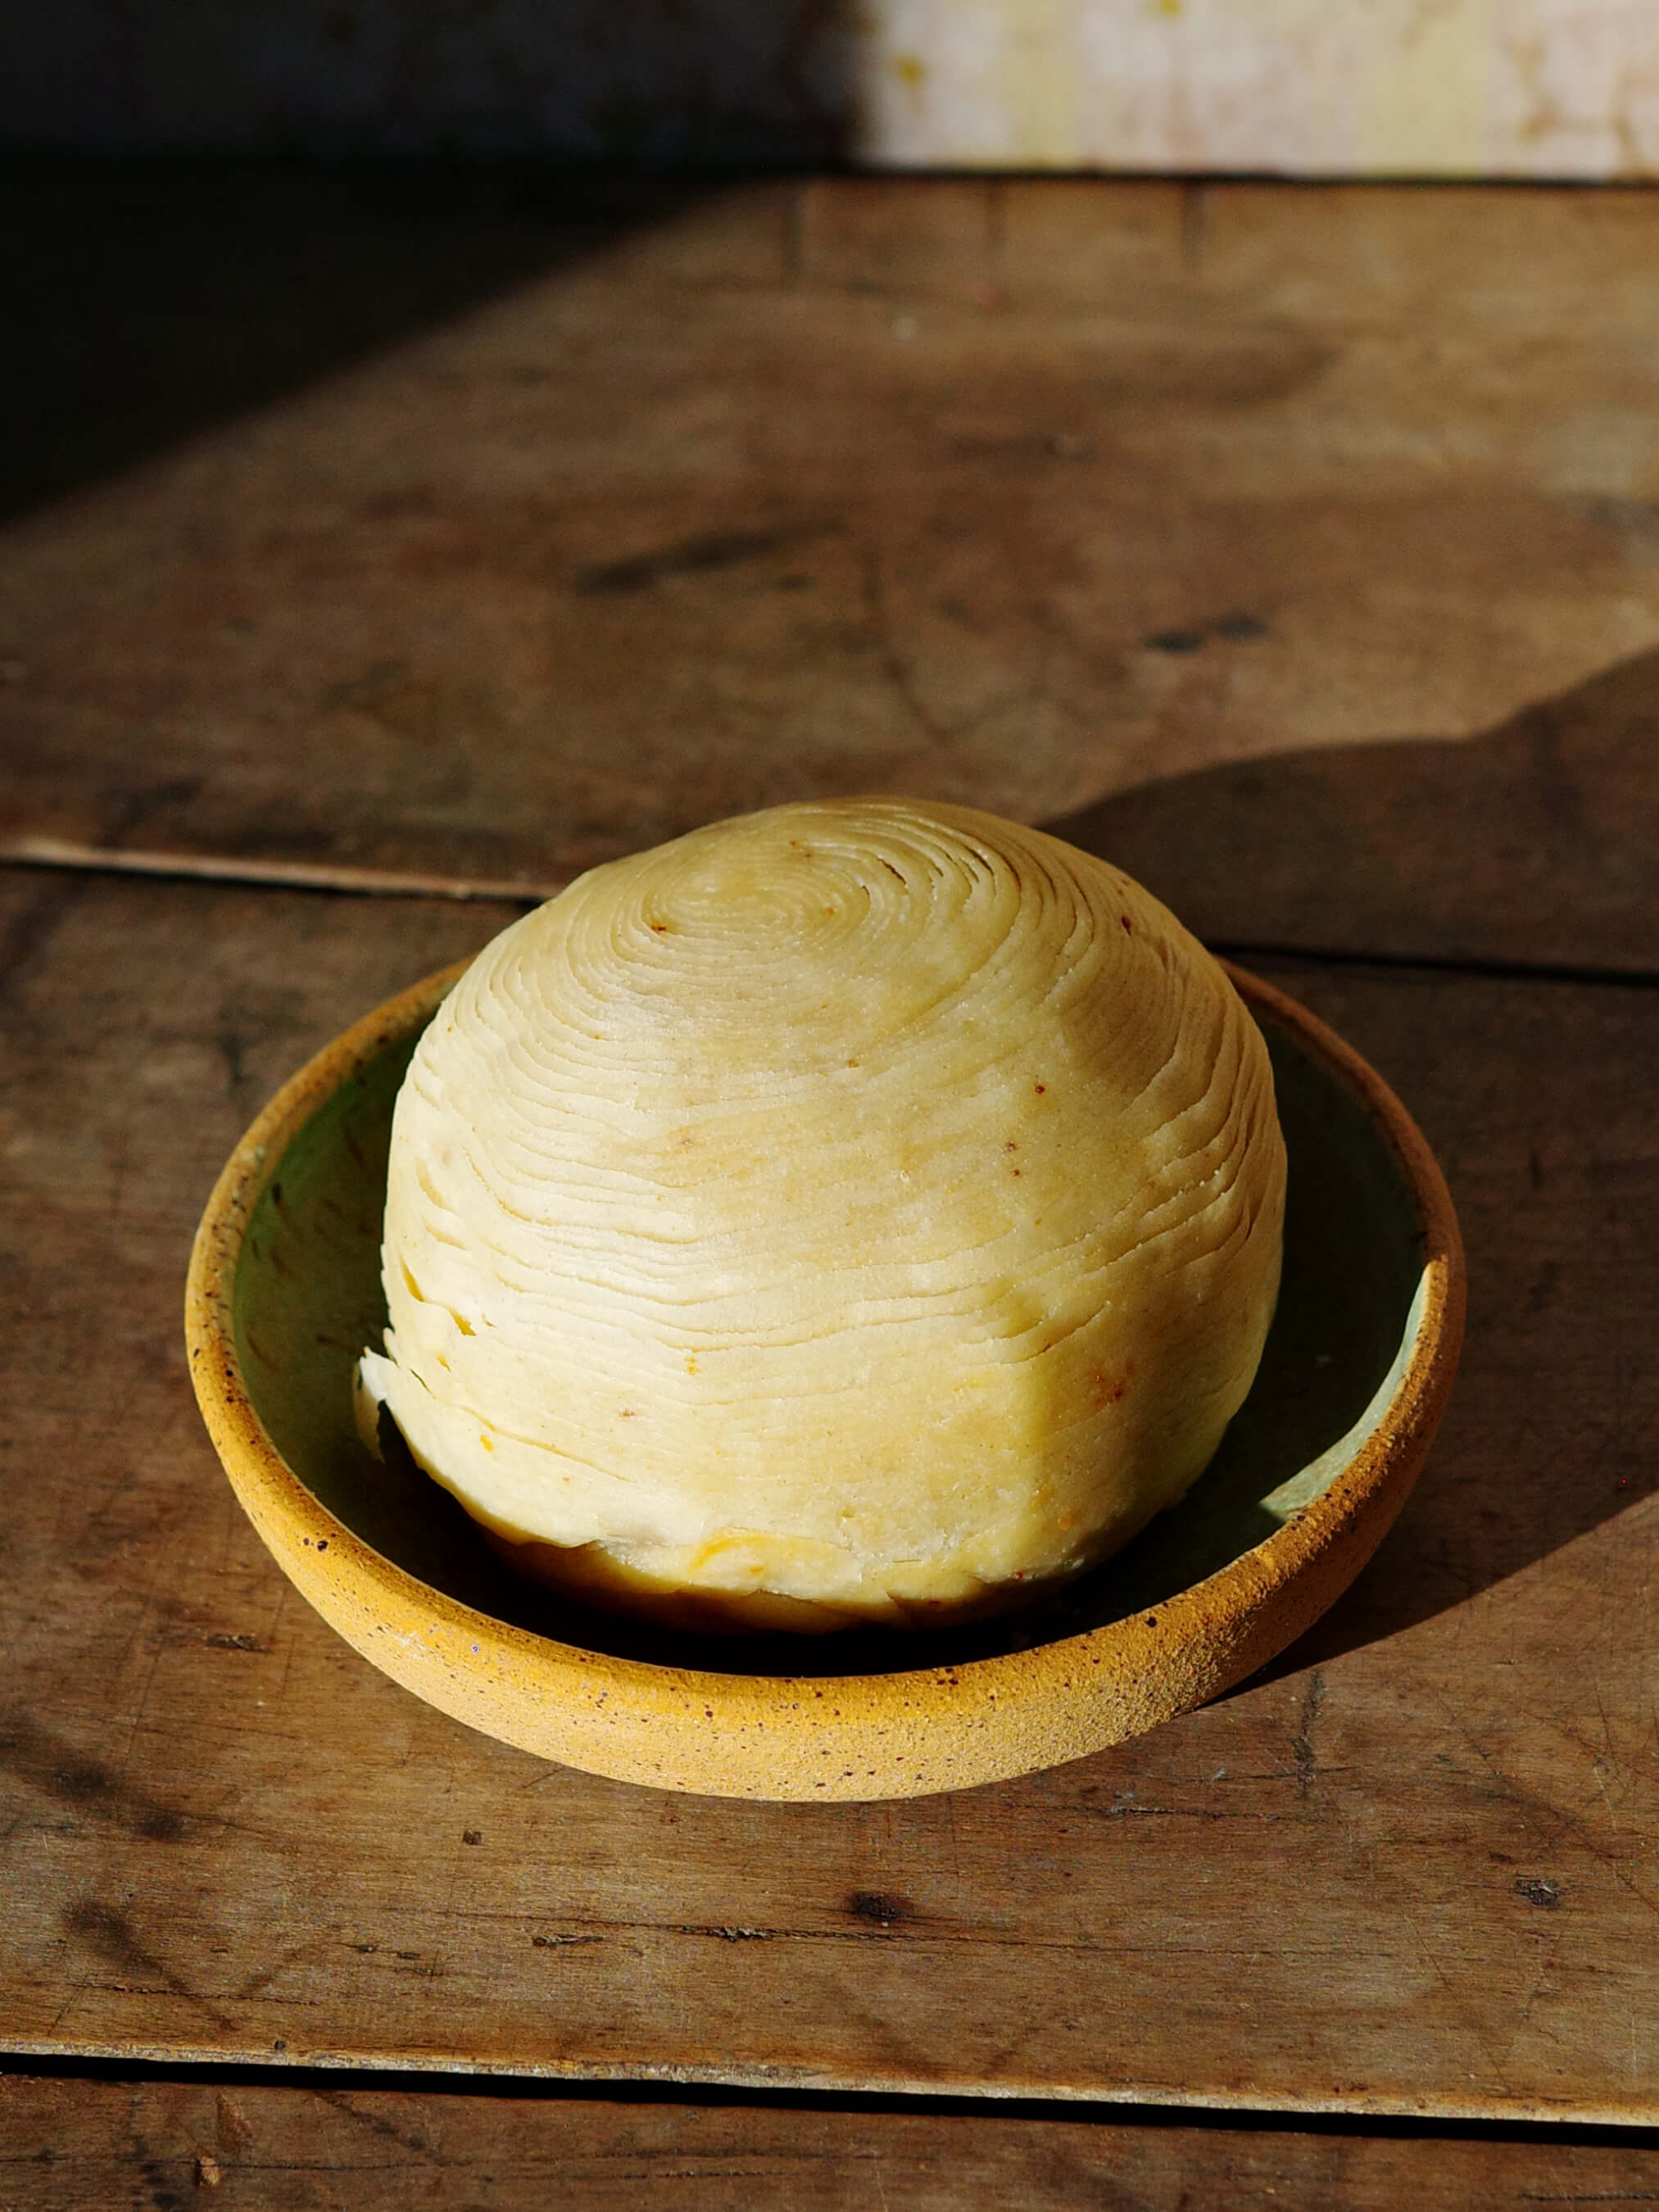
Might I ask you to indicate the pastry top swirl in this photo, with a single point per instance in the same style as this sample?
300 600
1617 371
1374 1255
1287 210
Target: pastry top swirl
854 1210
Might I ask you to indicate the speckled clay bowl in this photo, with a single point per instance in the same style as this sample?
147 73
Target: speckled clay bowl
284 1291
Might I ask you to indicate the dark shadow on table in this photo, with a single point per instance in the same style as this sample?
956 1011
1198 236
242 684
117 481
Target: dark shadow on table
1507 889
149 300
1537 841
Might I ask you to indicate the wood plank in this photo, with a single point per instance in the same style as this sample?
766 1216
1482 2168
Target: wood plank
68 2144
1021 494
1411 1872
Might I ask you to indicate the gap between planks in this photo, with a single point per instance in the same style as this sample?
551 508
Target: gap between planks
420 2082
269 875
57 853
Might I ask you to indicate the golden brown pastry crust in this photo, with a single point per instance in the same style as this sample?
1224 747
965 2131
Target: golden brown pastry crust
856 1211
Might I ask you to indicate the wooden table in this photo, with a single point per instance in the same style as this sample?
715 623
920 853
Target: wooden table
1299 548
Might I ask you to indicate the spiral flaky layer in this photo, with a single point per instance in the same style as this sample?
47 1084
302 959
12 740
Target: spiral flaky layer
852 1211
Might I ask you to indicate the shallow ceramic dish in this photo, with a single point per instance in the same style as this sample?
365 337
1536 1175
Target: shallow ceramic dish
284 1292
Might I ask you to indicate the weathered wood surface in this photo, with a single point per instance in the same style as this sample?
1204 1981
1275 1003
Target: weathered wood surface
152 2146
621 508
527 522
1412 1872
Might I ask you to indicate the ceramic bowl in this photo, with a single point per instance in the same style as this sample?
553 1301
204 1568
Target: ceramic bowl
284 1292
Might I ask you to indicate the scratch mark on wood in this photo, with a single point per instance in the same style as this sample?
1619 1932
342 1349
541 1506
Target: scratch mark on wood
108 1934
690 556
882 1908
1194 224
893 664
1301 1748
64 853
340 2102
235 2130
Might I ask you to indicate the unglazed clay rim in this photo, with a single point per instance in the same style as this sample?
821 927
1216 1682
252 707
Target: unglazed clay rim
809 1738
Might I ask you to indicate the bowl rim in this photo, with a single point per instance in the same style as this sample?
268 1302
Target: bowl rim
1141 1669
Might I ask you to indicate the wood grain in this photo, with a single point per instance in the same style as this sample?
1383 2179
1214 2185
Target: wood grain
1411 1873
158 2146
1021 493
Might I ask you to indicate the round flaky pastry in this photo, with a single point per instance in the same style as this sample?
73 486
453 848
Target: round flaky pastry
853 1212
